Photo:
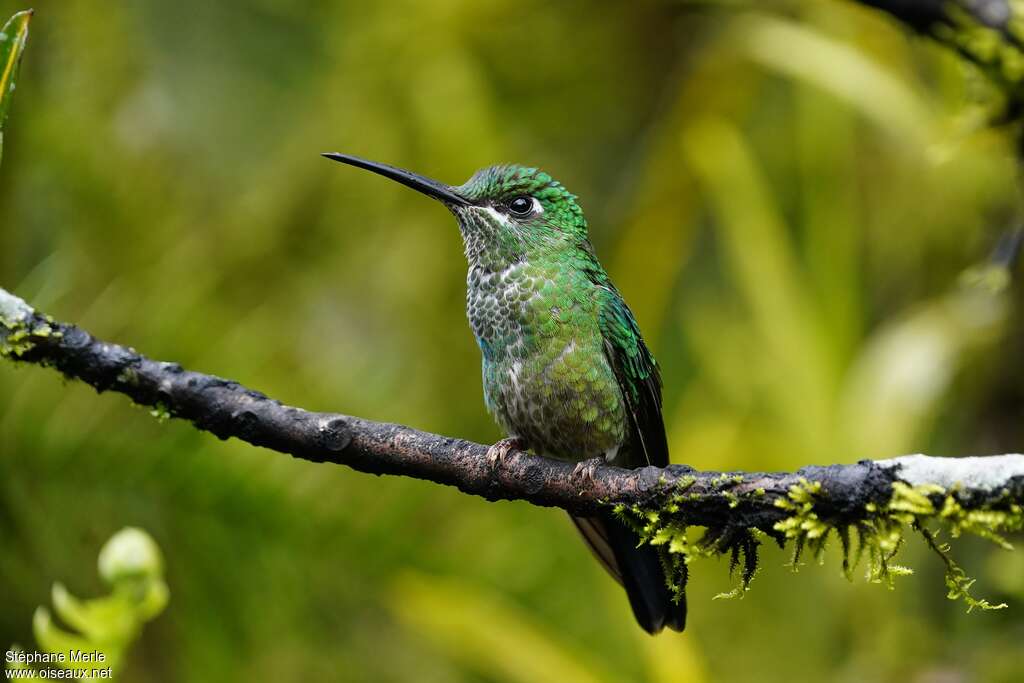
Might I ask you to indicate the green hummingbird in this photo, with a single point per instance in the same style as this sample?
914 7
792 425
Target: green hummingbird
566 373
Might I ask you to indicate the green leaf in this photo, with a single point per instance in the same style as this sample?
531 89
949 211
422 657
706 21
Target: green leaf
12 45
132 562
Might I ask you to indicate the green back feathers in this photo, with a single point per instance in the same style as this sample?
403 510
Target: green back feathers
639 380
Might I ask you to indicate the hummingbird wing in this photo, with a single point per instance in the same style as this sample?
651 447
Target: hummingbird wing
637 567
639 381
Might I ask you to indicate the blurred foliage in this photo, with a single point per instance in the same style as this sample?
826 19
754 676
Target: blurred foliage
132 565
785 197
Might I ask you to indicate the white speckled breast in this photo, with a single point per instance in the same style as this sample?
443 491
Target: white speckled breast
546 378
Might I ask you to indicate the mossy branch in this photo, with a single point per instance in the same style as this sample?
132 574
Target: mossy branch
868 505
986 33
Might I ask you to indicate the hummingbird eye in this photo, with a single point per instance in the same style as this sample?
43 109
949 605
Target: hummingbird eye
521 206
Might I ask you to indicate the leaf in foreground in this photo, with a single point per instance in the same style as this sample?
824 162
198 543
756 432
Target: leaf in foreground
12 45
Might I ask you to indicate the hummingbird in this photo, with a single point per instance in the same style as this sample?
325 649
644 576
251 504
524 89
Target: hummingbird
566 373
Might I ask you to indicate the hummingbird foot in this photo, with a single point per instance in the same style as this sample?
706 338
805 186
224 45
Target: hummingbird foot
584 470
498 453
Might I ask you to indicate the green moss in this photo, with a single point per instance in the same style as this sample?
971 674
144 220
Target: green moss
957 581
161 413
18 336
679 543
873 538
882 532
20 330
128 376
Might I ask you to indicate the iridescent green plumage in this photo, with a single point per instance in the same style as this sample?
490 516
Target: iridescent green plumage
565 367
565 370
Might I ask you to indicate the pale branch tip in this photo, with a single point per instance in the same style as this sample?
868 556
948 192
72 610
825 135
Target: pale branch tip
747 500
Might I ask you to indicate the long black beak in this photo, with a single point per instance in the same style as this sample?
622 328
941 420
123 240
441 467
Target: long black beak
427 186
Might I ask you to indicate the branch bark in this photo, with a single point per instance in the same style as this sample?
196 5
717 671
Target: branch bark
844 494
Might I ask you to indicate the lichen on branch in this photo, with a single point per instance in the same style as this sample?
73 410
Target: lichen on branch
871 530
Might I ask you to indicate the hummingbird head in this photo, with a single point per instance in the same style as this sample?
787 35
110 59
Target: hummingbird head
506 213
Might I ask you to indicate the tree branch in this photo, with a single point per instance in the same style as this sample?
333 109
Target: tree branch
228 409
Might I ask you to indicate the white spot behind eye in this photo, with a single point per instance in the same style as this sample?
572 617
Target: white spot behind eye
498 216
503 218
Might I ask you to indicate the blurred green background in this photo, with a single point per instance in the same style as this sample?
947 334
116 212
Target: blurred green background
786 199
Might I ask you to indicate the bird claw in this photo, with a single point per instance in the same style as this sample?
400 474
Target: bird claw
498 453
585 469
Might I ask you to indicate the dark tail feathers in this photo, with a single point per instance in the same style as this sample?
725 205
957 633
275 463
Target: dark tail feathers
639 571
